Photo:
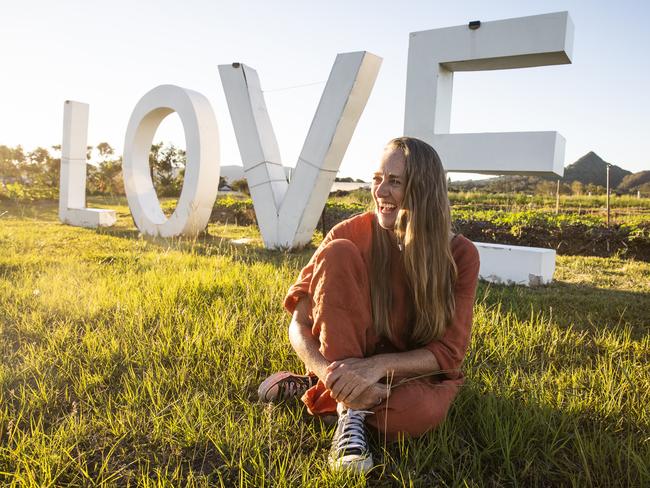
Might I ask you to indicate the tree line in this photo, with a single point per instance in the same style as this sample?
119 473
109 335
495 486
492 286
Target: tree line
35 174
527 184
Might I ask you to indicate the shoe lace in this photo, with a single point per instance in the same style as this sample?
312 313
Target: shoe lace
351 438
293 386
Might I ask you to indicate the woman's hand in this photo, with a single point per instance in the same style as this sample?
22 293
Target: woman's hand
369 398
349 378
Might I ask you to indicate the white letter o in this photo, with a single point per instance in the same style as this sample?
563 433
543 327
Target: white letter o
201 179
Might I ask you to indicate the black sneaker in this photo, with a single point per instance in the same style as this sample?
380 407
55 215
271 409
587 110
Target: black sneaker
350 450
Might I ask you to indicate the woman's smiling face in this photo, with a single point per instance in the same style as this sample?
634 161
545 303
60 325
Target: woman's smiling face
388 183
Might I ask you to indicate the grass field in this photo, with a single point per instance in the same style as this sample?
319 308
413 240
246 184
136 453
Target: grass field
128 361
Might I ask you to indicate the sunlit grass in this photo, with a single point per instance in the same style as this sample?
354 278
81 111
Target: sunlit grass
136 361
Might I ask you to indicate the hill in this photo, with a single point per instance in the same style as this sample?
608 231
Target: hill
636 182
591 168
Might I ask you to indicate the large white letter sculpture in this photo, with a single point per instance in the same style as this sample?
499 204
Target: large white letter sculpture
72 181
287 214
434 55
201 180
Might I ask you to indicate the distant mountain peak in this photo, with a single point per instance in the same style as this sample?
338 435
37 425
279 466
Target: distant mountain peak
589 158
591 168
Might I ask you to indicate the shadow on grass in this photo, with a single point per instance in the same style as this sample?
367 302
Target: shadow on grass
206 244
491 440
494 440
7 271
583 307
37 210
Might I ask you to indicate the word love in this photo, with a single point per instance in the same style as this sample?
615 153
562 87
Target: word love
287 213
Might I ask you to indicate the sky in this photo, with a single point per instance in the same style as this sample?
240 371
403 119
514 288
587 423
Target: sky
109 54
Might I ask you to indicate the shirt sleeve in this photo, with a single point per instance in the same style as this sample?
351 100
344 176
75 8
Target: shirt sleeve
450 349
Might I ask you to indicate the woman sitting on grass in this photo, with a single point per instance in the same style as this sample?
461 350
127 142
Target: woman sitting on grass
383 311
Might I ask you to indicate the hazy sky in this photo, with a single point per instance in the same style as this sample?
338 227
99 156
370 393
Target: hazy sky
109 54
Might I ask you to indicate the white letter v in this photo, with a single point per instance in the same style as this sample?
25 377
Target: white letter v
287 214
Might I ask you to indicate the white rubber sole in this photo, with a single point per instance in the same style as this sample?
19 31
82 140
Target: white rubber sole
352 463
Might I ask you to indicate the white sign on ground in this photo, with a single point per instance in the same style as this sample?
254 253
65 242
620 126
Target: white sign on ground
201 179
72 180
287 214
434 56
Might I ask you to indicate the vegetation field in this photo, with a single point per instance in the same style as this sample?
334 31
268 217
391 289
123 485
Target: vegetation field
129 361
579 227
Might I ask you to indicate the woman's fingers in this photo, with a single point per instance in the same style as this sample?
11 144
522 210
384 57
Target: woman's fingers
337 390
346 392
366 399
330 384
341 384
347 379
331 378
340 390
336 381
338 374
333 365
355 393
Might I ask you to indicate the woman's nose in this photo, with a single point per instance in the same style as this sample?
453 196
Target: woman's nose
382 189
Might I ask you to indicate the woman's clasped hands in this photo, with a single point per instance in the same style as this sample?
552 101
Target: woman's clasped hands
355 382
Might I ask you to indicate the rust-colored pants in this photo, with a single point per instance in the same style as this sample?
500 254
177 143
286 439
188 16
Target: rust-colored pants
342 322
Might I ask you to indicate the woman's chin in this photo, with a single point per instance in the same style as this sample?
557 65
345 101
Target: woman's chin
386 221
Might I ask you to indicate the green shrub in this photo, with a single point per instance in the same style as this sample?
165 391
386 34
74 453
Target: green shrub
18 192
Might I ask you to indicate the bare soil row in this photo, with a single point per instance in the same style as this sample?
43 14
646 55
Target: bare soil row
571 240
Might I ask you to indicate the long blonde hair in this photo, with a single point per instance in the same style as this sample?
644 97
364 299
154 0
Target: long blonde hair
423 229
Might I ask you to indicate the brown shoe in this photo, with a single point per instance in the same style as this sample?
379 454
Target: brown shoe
284 385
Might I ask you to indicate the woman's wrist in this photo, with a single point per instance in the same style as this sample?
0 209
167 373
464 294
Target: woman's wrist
380 365
320 369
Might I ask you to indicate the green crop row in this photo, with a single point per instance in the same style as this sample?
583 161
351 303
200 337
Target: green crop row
636 226
571 201
337 209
